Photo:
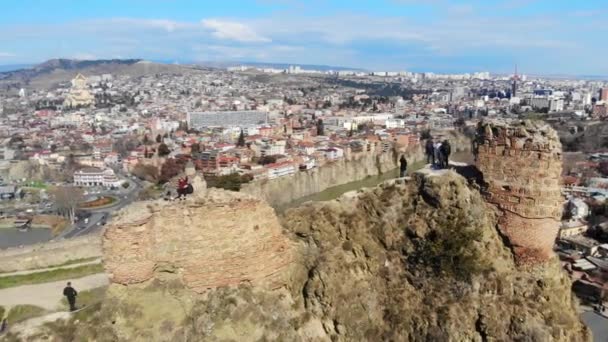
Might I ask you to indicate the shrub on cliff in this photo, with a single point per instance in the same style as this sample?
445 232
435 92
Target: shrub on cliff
171 168
230 182
450 251
145 172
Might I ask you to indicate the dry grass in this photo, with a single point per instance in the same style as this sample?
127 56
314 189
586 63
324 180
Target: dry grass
56 223
48 276
21 313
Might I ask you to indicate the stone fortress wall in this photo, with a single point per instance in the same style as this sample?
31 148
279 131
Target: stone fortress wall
220 238
521 164
354 167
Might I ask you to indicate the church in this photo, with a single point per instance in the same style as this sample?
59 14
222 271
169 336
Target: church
79 95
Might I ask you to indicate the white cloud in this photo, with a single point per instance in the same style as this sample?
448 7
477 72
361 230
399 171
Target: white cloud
232 30
6 54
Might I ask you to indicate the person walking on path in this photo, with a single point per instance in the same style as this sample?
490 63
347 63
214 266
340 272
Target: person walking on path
402 166
446 150
3 325
429 151
70 294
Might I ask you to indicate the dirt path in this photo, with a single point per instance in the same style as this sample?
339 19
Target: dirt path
38 270
48 295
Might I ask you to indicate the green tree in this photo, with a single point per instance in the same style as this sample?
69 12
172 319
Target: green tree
241 141
320 127
163 150
195 148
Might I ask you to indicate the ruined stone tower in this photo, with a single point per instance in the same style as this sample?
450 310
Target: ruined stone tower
521 165
219 238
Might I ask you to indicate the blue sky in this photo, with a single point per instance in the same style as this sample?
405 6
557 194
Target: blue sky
541 36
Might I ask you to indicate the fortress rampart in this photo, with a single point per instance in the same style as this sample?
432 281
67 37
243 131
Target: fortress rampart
521 165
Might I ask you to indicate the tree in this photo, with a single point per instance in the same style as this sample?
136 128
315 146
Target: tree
267 160
426 134
159 139
230 182
603 168
320 127
171 168
67 199
146 172
241 141
195 148
163 150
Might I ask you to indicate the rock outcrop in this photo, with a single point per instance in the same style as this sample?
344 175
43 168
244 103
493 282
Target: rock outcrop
221 239
521 166
418 259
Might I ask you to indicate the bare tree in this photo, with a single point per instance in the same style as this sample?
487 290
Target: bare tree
67 199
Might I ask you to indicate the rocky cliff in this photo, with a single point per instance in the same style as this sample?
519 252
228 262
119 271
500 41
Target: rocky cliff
417 259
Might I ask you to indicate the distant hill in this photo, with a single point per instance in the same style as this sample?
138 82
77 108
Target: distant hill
13 67
54 71
275 65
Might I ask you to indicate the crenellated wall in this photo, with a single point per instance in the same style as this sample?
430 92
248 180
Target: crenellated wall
521 164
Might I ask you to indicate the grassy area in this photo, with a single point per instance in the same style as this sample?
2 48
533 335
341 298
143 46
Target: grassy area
21 313
37 185
76 261
2 312
67 263
88 298
48 276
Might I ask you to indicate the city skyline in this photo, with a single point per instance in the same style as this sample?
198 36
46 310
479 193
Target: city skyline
443 36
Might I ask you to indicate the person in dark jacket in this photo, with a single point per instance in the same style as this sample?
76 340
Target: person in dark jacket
429 150
446 150
70 294
402 166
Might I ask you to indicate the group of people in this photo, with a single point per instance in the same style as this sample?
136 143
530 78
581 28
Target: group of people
438 153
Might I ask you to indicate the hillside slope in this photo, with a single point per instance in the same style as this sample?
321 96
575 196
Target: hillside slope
55 71
414 260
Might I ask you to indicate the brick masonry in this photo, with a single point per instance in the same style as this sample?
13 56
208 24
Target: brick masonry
221 239
521 164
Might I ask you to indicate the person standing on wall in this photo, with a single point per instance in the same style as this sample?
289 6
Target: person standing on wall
446 149
70 294
402 166
429 151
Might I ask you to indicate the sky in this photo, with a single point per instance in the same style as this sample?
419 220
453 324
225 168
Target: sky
444 36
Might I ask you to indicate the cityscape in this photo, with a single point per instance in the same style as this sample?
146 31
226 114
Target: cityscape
248 197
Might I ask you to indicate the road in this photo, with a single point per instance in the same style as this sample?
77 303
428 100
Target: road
598 325
98 217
